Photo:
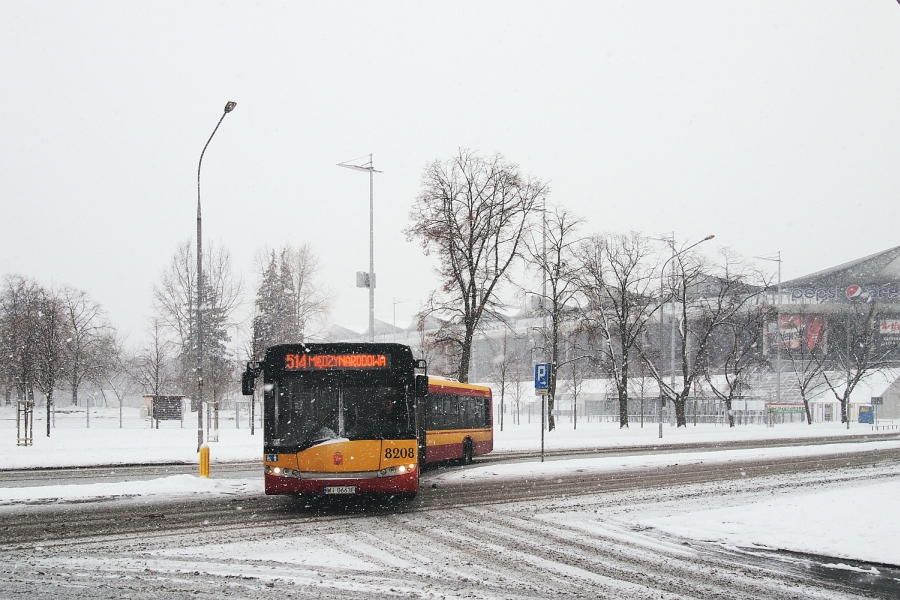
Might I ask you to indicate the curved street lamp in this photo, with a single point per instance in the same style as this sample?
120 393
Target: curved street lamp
229 106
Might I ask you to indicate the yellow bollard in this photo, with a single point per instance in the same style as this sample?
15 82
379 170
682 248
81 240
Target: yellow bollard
204 461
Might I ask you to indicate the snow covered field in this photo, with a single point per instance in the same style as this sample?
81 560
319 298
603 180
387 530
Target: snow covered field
72 444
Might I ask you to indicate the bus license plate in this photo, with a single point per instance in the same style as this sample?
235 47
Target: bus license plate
340 489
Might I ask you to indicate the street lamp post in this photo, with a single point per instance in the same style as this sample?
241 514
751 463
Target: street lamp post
671 241
778 341
229 106
370 279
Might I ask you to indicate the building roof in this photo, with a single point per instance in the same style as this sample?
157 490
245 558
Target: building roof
881 268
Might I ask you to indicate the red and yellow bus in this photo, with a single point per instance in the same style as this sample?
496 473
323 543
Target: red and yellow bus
361 418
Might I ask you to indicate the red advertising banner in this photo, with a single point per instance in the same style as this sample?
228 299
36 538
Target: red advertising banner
800 332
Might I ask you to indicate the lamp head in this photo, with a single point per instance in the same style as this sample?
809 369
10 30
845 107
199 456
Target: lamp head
709 237
229 106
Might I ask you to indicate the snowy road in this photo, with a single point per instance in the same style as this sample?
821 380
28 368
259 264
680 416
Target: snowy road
572 534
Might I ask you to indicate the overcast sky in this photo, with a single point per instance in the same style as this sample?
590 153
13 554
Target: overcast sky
773 125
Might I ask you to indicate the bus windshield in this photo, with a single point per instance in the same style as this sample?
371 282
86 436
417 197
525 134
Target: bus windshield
308 410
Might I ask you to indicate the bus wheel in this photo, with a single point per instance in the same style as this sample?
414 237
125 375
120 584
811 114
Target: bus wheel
468 452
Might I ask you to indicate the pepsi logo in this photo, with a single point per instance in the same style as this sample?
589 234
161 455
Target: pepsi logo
853 291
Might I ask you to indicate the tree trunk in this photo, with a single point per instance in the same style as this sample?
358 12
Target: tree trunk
808 412
622 389
680 419
728 410
49 403
551 422
466 356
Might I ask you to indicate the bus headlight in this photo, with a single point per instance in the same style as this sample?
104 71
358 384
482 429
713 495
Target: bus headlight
282 472
398 470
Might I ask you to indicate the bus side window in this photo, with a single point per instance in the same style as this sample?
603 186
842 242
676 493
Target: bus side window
487 412
433 412
449 418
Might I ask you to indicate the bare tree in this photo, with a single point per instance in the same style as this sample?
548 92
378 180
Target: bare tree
574 384
639 384
311 299
152 364
707 297
517 373
737 355
855 351
87 327
616 278
552 256
473 213
115 371
802 340
506 362
19 314
51 333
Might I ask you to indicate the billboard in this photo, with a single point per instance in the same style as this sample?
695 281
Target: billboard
798 332
889 330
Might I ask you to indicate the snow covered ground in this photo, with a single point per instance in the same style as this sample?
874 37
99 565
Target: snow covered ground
857 521
850 516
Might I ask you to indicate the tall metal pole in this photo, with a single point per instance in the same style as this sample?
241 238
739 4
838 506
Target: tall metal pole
662 273
371 275
778 333
778 339
671 328
229 106
371 252
544 415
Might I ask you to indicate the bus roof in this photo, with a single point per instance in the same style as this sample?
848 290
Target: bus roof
444 384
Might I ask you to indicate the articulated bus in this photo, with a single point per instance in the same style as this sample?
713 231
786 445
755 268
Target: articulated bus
361 419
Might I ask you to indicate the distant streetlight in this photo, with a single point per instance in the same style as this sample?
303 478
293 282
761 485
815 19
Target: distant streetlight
369 280
396 302
671 241
779 342
229 106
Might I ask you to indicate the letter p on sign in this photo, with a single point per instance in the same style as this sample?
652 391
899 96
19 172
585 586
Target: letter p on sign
541 376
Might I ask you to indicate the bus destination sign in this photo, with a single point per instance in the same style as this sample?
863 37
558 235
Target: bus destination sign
322 362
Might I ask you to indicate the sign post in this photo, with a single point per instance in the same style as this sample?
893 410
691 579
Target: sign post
876 400
541 385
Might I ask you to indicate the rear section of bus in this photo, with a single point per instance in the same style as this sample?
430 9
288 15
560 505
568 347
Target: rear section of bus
339 419
458 421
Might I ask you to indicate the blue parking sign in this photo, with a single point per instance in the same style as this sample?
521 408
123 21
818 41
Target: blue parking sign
541 376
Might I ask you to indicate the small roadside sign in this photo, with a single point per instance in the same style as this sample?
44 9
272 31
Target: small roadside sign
541 378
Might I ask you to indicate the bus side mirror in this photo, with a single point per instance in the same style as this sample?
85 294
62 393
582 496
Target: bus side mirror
421 386
248 382
248 378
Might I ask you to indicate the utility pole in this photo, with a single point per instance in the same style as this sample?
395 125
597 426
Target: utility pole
369 281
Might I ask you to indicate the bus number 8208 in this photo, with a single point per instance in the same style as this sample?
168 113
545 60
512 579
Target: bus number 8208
399 453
